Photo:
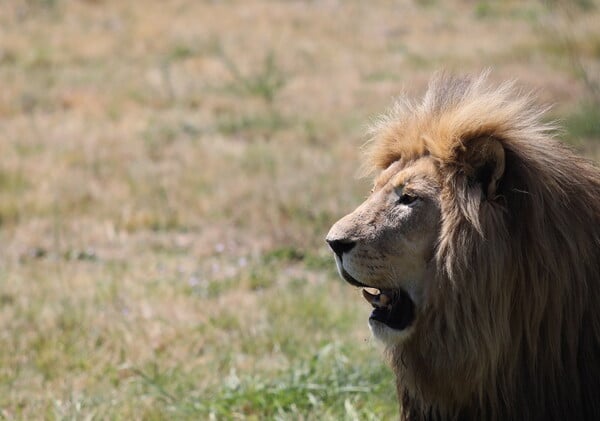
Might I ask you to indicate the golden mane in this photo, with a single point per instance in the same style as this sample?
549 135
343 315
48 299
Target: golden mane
513 331
454 110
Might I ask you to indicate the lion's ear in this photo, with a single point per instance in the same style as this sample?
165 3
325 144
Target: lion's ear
485 159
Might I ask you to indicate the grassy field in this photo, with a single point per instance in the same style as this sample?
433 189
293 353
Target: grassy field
169 170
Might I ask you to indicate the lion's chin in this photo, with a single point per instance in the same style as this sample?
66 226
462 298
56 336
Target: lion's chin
394 310
393 314
387 335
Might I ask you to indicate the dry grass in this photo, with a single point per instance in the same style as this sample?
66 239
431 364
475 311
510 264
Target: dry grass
168 174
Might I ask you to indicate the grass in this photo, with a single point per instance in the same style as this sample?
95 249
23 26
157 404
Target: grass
265 82
584 123
169 173
327 385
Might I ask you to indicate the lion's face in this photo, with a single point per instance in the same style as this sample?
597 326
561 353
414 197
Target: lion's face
387 244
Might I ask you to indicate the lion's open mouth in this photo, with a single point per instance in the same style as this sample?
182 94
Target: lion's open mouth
392 307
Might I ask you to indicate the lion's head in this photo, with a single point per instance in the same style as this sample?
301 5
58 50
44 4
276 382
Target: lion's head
388 244
479 251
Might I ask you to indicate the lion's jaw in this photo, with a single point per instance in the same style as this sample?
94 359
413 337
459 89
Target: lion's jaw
387 244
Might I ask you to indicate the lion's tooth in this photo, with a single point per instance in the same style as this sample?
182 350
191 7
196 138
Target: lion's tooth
372 291
371 298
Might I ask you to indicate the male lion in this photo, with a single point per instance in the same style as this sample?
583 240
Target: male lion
480 245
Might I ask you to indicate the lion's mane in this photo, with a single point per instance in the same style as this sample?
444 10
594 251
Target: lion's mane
512 324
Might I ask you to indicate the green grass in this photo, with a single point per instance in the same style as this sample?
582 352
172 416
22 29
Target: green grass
584 123
318 374
327 385
256 125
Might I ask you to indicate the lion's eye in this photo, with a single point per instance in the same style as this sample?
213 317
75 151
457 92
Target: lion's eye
407 199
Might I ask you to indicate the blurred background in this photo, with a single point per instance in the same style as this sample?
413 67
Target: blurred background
168 173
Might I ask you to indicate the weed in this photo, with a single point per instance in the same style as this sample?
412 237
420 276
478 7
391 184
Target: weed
180 52
284 254
484 9
258 125
426 3
259 279
265 83
585 5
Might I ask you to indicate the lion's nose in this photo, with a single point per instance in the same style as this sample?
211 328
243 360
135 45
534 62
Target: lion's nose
341 246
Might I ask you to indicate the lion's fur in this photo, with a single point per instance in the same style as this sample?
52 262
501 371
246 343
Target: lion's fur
513 325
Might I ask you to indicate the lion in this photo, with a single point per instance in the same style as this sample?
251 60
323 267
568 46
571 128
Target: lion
479 250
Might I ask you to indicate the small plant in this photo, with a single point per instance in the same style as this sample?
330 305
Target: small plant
265 83
261 123
584 5
483 9
45 4
180 52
